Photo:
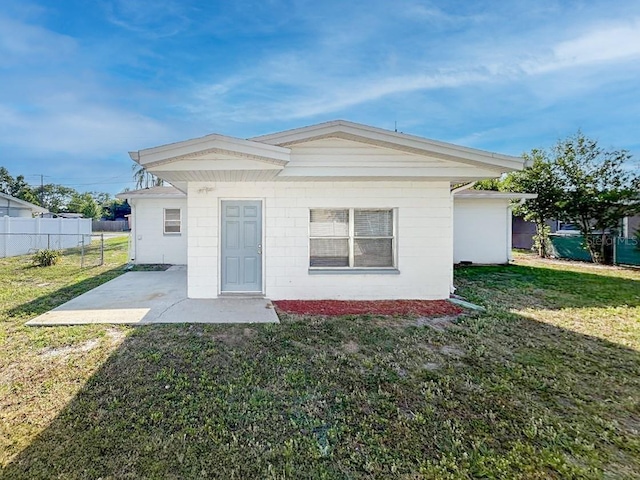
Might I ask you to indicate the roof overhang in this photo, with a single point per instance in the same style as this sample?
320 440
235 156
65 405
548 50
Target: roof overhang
490 194
397 141
276 157
153 192
213 158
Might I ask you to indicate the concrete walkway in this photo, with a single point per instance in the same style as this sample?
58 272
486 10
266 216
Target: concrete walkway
140 298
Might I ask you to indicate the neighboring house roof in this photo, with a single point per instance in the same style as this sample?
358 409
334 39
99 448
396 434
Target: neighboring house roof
493 194
34 208
153 192
322 152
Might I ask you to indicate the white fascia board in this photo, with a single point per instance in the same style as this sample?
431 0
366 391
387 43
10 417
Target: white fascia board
128 196
168 191
471 173
272 153
182 186
471 194
395 140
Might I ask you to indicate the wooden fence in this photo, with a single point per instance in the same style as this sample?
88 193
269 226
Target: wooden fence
110 226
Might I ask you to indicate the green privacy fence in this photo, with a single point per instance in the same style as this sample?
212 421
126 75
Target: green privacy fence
627 251
624 251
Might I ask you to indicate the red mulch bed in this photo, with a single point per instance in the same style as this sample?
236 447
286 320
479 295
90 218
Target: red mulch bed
426 308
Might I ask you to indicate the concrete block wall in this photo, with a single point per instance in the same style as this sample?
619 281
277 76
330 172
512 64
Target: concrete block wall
149 243
482 231
424 238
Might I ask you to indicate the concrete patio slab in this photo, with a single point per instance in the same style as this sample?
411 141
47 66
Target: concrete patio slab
140 298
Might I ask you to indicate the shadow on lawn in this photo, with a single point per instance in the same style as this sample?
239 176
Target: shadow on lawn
518 286
291 400
51 300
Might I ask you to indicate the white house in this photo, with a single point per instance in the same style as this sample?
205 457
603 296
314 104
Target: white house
158 225
335 210
482 226
15 207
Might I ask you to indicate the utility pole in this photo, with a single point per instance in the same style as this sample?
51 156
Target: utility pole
41 189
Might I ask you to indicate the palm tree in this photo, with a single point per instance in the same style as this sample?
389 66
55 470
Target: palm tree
145 179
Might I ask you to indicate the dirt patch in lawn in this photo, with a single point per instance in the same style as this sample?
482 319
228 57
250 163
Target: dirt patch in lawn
423 308
70 349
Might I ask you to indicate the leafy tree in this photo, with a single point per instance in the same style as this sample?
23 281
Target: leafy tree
541 177
115 208
60 199
17 187
144 179
56 198
6 181
101 197
489 184
600 189
85 204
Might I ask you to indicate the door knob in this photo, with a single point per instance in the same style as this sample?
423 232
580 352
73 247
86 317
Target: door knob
259 249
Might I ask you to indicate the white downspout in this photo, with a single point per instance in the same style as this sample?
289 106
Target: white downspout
466 186
509 232
133 243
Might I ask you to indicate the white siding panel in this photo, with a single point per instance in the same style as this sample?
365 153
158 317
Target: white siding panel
338 152
481 231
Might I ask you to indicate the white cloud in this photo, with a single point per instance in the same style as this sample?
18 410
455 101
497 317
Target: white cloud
606 43
303 83
610 42
89 130
22 43
151 18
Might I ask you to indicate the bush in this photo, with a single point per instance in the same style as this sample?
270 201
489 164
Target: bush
46 258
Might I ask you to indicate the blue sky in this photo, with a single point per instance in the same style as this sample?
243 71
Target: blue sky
82 83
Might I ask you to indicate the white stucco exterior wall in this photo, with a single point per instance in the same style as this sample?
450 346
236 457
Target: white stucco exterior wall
482 231
424 238
149 243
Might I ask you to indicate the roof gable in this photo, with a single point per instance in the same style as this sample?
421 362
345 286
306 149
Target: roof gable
211 147
337 150
393 140
213 158
337 158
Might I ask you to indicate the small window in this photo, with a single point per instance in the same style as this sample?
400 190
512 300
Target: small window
351 238
172 221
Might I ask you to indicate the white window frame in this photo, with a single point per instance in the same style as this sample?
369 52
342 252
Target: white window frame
164 221
351 242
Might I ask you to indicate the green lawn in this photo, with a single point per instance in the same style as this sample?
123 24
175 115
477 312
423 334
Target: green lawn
544 384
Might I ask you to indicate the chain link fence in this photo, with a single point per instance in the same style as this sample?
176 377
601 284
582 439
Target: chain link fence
85 250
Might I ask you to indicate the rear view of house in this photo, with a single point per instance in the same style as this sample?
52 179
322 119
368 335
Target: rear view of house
335 210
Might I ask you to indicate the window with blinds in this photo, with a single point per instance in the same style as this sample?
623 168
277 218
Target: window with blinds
351 238
172 221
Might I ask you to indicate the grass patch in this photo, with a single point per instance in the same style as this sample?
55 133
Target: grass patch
544 384
35 386
149 267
